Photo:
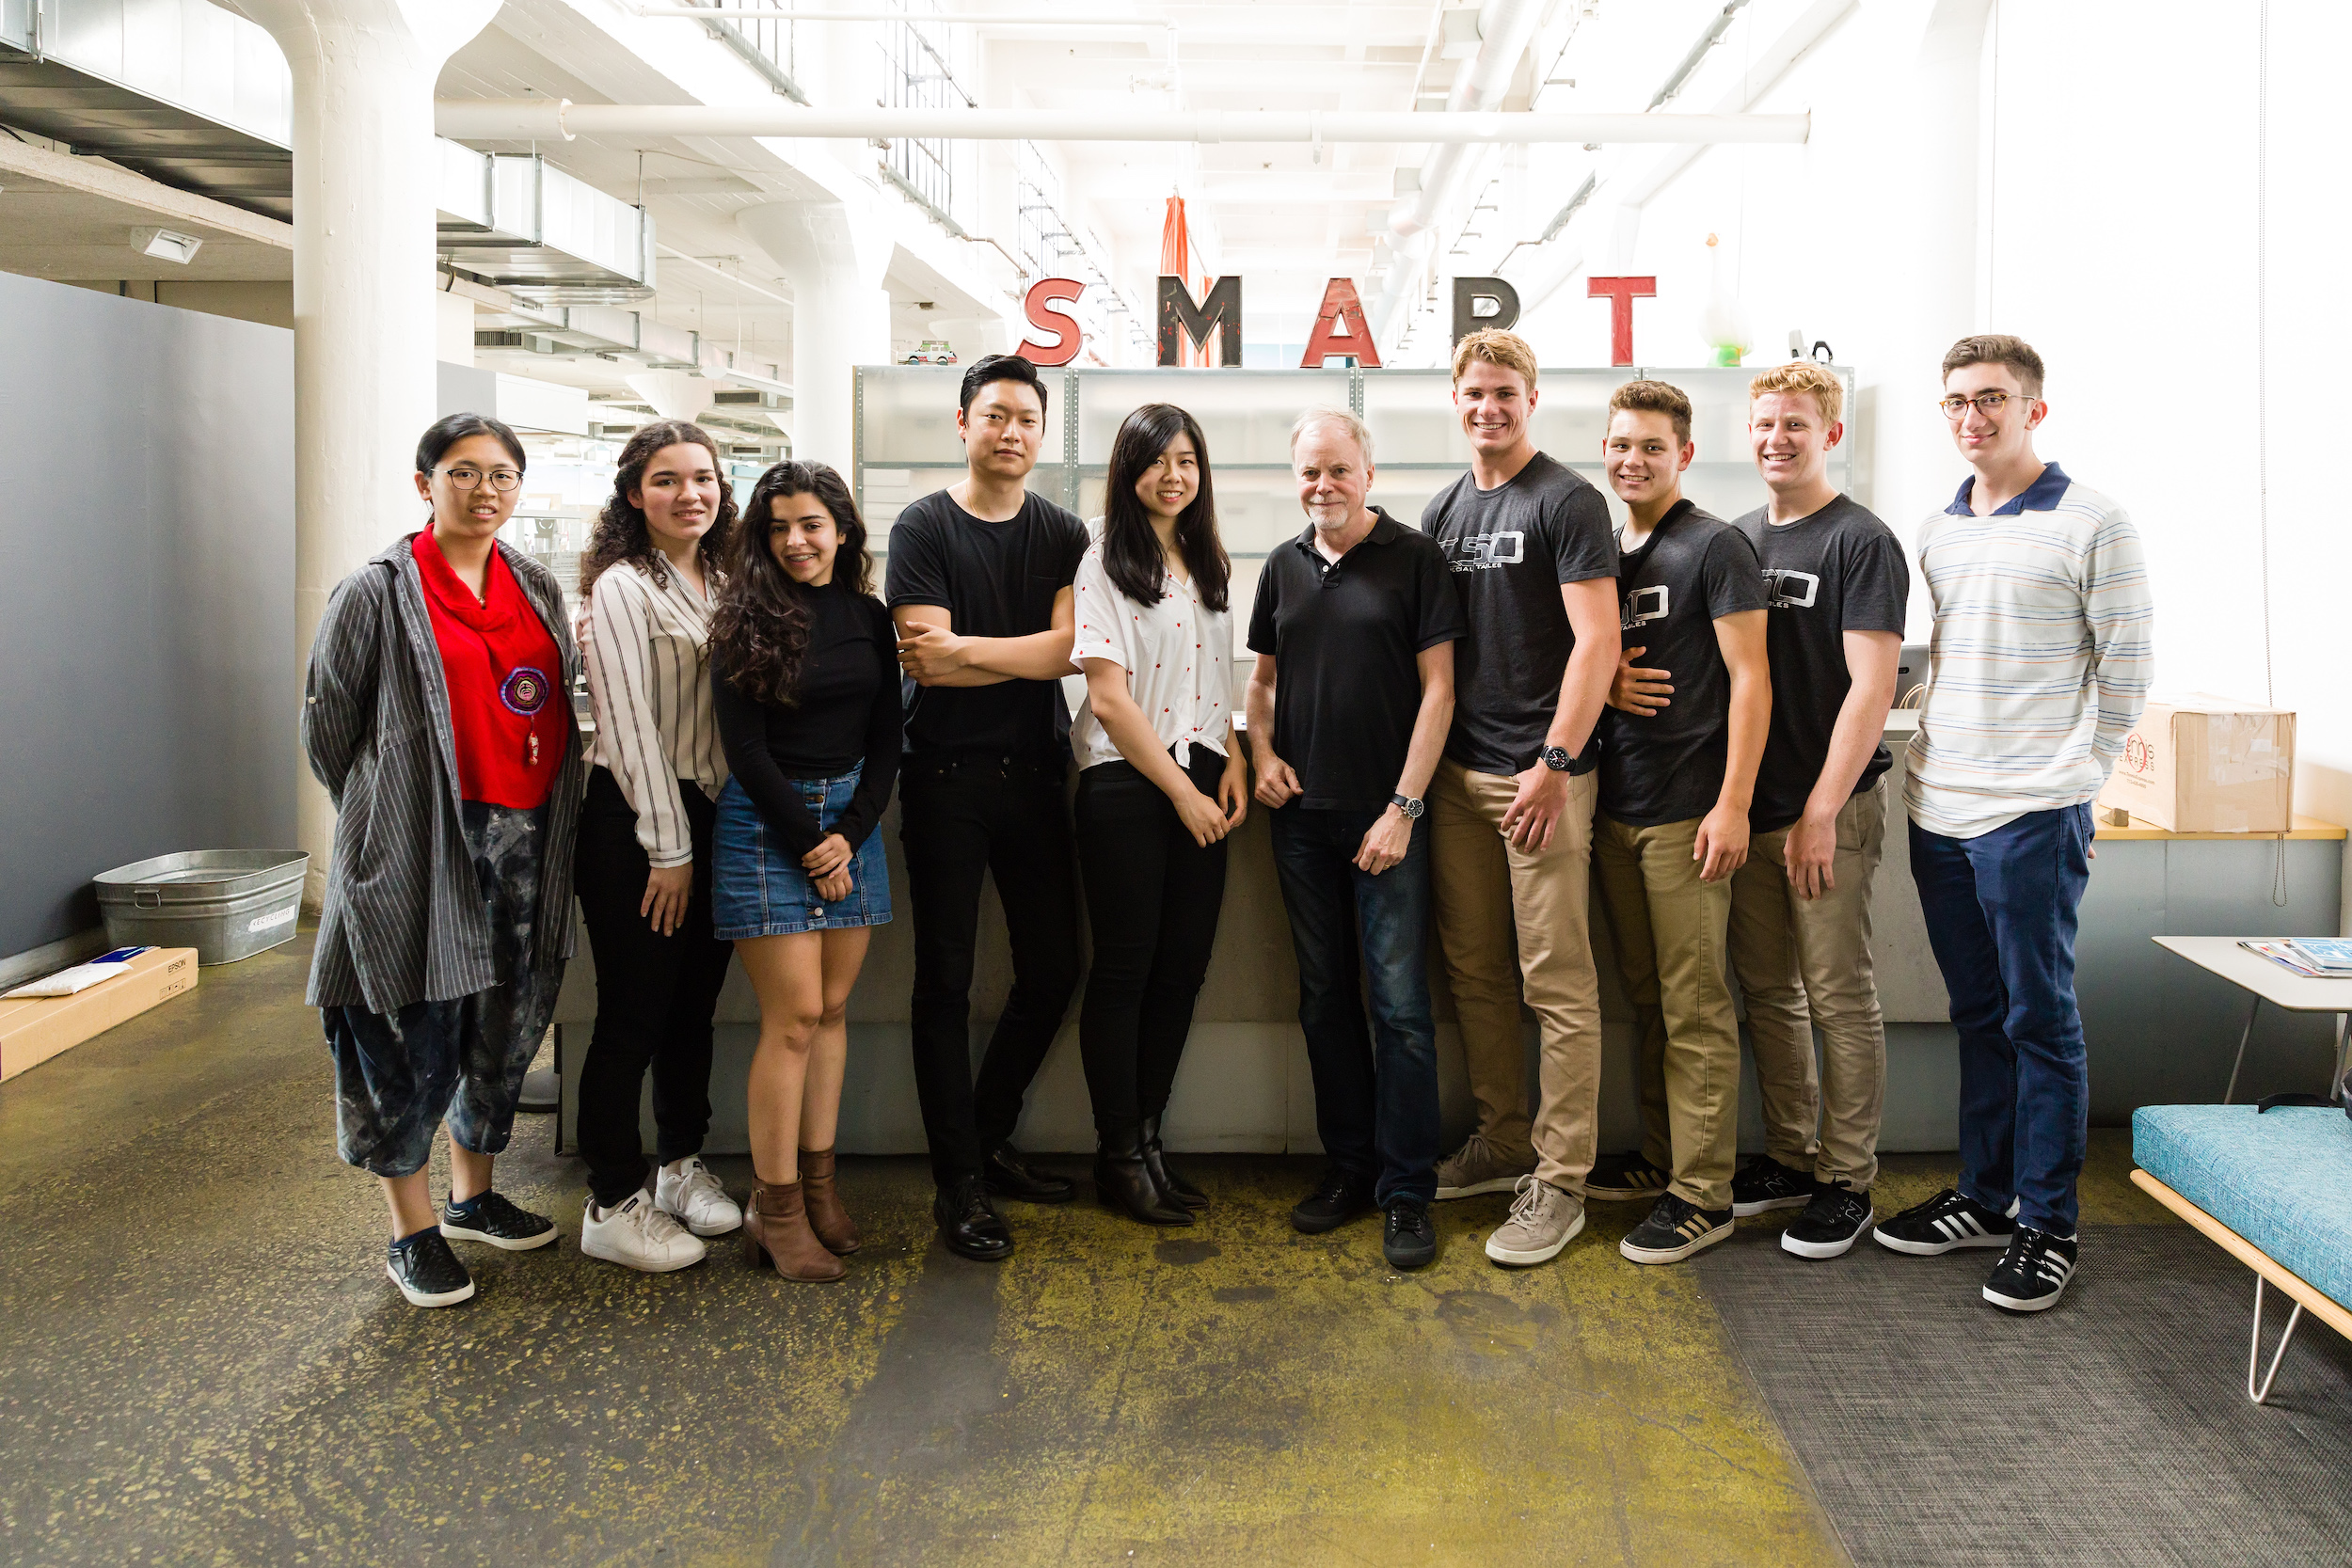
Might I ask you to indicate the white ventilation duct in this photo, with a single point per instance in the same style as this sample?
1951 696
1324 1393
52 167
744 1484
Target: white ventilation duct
674 394
1505 29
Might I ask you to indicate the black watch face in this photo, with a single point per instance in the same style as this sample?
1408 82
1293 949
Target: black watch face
1558 759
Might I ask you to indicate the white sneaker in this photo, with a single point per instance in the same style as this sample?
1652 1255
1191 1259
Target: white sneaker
687 1189
637 1235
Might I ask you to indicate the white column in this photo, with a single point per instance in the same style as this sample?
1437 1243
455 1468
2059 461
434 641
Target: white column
363 173
834 258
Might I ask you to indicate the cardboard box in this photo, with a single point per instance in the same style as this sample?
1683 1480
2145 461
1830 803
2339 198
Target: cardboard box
37 1028
2203 764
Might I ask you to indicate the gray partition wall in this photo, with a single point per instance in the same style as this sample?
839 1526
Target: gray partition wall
147 679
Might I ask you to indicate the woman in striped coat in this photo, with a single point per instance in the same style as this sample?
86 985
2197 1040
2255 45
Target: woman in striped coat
434 713
644 848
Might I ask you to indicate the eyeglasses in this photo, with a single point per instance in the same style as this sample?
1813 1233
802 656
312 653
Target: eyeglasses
503 480
1987 404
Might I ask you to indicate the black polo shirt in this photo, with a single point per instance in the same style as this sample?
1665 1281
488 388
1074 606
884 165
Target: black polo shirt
1347 639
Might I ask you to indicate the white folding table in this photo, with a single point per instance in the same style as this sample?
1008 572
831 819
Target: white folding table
2266 981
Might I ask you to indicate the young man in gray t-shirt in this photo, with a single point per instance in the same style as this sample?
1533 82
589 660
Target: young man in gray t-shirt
1531 550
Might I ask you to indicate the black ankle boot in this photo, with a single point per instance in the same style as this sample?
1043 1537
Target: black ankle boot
1174 1190
1123 1181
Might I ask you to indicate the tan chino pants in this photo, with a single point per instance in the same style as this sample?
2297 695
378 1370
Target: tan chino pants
1508 915
1806 962
1670 932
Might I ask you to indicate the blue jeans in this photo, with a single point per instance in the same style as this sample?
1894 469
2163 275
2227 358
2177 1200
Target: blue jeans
2001 914
1376 1093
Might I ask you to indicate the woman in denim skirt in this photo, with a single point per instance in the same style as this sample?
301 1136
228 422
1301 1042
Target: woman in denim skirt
805 684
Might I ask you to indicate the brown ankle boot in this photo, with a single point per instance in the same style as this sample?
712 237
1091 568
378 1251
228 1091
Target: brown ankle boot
826 1216
775 1231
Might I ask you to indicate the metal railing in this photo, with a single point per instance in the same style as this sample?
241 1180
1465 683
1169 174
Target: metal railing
916 74
765 44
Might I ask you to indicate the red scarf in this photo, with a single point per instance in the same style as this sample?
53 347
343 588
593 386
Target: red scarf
504 677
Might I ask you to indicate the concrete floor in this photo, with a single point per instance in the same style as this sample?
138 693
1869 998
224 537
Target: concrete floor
206 1364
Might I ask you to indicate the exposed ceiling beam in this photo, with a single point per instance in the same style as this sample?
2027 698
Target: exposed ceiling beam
528 118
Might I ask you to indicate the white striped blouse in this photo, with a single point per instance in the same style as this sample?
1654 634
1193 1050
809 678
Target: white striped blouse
648 651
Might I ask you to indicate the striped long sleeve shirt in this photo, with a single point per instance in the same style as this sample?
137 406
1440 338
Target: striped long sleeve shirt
404 919
2042 658
647 649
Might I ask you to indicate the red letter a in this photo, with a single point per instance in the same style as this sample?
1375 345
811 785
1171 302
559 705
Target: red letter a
1340 329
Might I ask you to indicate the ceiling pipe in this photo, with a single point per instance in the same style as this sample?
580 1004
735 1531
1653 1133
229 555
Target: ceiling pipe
1505 29
555 118
790 13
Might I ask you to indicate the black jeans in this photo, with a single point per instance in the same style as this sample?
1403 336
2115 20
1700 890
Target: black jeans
959 817
655 994
1152 898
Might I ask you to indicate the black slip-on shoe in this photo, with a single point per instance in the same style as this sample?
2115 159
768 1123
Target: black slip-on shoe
487 1217
427 1273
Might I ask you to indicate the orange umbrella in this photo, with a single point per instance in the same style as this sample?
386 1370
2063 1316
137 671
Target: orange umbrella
1176 255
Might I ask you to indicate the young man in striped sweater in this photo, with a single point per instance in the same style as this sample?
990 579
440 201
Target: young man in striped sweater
2039 668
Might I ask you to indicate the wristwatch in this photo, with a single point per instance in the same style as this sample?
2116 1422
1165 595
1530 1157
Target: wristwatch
1409 805
1558 758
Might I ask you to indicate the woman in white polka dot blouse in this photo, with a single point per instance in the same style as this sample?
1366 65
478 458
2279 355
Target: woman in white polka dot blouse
1163 782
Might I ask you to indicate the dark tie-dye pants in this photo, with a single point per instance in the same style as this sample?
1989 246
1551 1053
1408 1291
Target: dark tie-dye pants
463 1060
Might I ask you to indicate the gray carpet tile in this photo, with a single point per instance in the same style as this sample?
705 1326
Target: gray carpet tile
2113 1428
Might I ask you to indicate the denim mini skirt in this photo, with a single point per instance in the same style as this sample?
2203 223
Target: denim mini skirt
758 887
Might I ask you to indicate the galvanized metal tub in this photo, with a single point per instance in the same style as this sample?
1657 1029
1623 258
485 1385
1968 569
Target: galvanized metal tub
227 904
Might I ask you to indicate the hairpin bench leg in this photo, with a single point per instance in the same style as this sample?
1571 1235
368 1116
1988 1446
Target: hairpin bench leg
2254 1355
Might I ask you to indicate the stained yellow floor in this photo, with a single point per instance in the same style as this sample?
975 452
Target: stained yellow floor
206 1364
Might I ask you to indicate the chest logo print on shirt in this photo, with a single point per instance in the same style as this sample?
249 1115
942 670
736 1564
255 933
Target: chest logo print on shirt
1644 605
1484 552
1790 589
524 690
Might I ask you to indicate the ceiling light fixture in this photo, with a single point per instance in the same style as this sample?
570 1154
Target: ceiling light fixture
165 245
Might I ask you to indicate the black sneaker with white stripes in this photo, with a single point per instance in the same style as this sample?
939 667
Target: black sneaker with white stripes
1676 1228
1623 1177
2033 1271
1943 1223
1830 1223
1764 1183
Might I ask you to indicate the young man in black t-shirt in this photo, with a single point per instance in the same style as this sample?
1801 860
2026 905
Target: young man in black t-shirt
1511 812
1677 773
1354 629
1801 906
979 584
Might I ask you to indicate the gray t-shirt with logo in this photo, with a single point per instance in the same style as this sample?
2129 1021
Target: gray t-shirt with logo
1837 571
1509 549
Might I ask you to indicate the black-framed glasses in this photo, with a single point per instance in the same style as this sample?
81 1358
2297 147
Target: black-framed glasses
1987 404
504 481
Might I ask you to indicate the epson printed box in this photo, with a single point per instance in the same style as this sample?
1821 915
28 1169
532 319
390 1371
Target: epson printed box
33 1029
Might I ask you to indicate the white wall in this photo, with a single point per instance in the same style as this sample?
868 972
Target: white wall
2109 217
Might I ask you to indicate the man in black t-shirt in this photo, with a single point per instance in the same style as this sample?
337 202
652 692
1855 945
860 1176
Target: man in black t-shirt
979 584
1801 906
1677 773
1354 629
1511 812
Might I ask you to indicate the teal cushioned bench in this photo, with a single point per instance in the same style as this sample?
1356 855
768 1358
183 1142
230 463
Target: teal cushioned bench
2283 1180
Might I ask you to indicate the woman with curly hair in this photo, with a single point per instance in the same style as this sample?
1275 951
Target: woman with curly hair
645 857
805 677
